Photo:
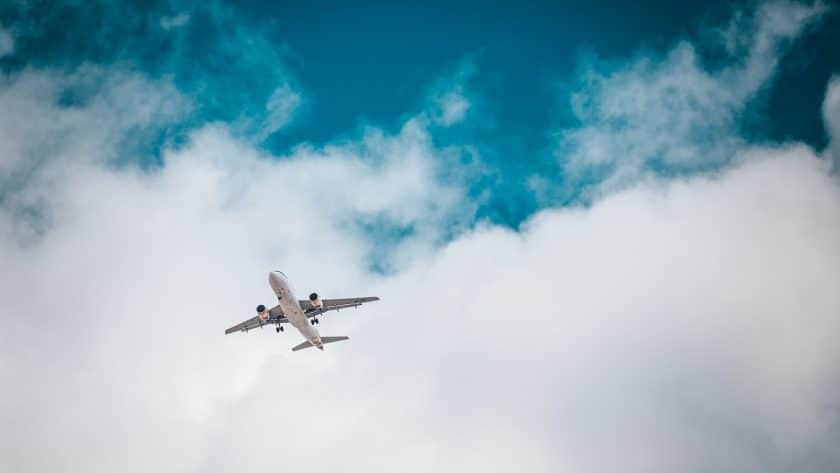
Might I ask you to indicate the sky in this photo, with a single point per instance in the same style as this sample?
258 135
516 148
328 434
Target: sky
606 238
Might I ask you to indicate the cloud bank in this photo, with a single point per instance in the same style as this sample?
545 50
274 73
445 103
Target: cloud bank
675 324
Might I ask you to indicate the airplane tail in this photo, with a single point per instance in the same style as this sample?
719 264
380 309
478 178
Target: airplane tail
324 340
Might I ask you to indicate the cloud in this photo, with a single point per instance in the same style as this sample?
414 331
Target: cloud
682 324
687 325
453 108
170 22
831 117
676 115
122 237
7 42
448 102
90 114
280 108
229 68
661 330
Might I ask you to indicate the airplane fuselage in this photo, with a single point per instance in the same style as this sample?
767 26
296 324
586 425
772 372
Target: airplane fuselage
291 308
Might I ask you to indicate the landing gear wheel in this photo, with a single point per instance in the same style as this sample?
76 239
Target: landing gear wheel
279 328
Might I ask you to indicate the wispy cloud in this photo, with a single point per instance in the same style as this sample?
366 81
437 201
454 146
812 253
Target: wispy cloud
231 71
676 114
448 102
170 22
7 42
280 108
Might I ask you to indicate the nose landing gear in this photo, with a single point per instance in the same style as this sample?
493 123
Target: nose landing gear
314 321
279 328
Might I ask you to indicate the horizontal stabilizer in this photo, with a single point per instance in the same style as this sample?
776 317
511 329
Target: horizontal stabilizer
303 345
324 340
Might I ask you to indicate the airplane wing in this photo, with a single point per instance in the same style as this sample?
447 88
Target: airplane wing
275 316
333 304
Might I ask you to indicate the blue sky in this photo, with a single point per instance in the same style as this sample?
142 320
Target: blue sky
374 64
605 238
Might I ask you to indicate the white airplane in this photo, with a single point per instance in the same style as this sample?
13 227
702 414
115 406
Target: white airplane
302 314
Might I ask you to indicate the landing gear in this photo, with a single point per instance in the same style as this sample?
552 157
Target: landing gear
314 321
279 328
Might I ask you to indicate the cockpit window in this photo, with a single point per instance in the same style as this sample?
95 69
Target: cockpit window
281 273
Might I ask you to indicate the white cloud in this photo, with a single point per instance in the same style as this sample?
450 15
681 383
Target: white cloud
7 42
675 113
831 117
640 334
684 325
281 107
448 102
130 341
453 108
170 22
82 116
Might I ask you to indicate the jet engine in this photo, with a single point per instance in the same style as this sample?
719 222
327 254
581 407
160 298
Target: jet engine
264 314
315 300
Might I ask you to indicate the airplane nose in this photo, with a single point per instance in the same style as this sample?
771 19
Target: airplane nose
277 279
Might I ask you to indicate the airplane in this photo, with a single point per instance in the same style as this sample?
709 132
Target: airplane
301 314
